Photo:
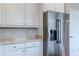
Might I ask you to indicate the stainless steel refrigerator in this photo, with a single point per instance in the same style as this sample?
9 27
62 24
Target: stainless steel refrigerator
54 33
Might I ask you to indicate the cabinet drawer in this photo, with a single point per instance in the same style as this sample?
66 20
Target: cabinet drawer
14 46
34 51
14 52
31 44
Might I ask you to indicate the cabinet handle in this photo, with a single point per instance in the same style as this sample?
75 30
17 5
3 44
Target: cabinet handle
14 46
33 44
24 50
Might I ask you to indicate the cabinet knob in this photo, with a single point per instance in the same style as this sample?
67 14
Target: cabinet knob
33 44
24 50
14 46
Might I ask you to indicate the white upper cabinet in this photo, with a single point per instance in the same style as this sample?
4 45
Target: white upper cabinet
14 14
32 15
49 6
58 7
20 14
1 13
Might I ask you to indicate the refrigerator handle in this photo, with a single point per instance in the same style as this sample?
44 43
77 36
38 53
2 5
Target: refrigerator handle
57 27
58 31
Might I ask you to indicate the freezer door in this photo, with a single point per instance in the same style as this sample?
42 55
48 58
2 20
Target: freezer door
51 43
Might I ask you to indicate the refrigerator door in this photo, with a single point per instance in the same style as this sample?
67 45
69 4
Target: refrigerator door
60 34
51 44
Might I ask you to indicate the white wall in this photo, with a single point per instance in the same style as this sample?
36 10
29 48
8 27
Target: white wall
74 32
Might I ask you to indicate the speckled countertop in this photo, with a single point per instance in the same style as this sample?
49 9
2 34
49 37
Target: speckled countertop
8 41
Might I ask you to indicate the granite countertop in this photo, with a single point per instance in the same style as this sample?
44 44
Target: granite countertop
9 41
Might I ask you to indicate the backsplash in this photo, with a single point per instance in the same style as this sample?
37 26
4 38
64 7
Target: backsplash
18 34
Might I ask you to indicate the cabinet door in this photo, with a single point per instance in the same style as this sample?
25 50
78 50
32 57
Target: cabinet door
49 7
1 50
33 51
32 44
1 13
32 14
14 14
59 7
14 52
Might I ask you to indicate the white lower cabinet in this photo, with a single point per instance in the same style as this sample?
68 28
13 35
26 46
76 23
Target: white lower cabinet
22 49
14 52
14 46
1 50
33 51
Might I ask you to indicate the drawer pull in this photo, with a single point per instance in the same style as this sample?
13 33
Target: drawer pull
24 50
33 44
14 46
